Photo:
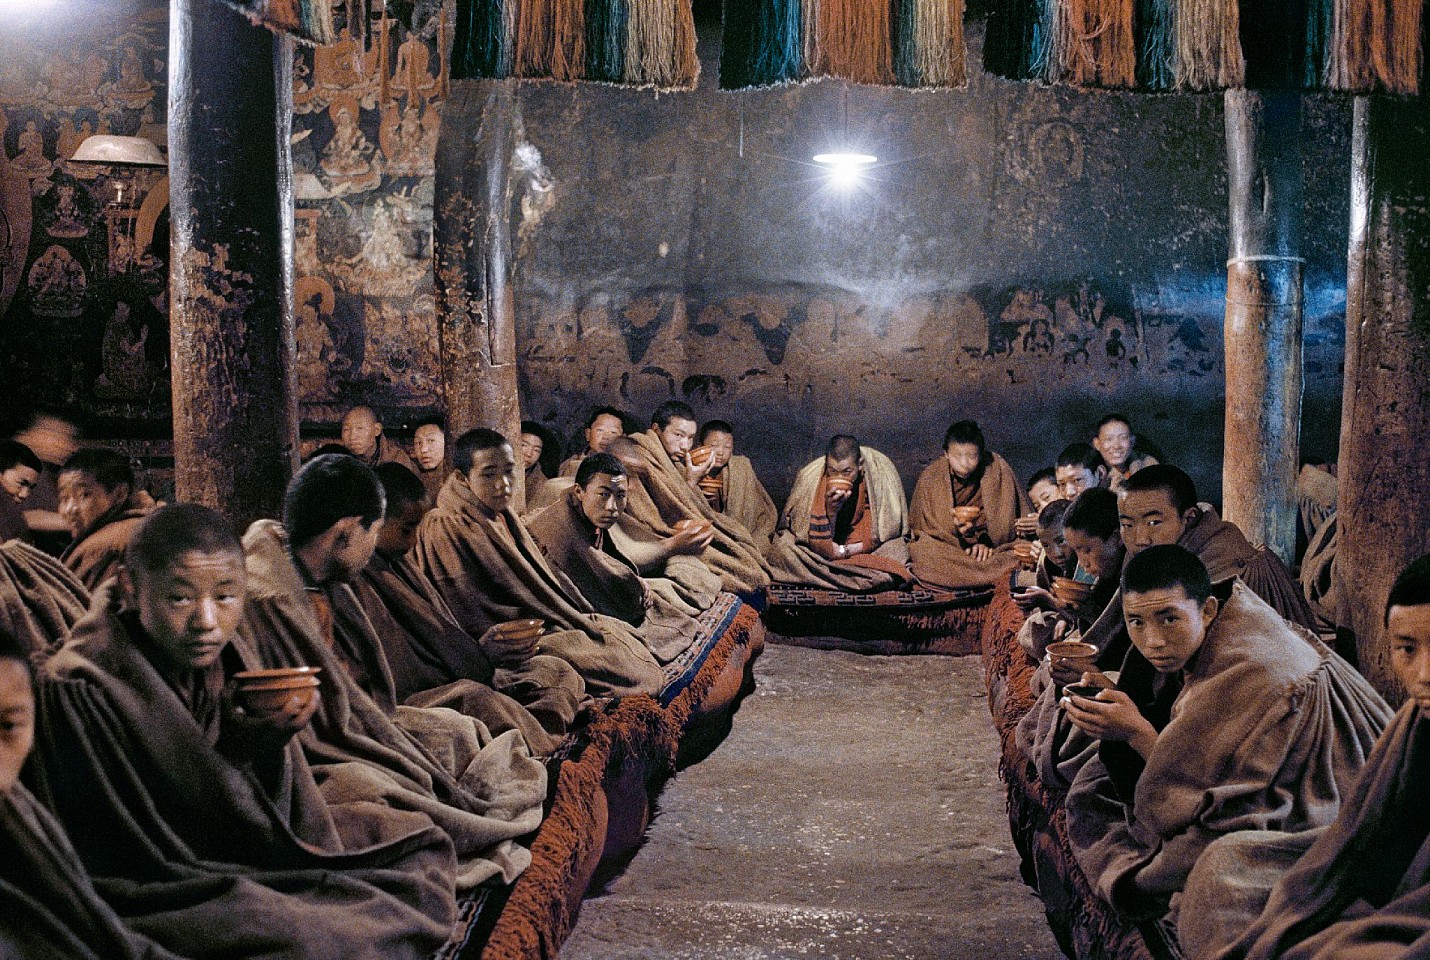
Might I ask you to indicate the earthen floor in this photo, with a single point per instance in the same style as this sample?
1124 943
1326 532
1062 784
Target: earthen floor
853 813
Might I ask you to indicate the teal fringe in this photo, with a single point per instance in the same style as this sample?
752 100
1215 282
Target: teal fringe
906 71
763 44
479 41
1156 39
1016 43
606 40
1319 14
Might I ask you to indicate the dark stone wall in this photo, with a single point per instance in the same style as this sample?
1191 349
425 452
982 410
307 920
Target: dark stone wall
1028 257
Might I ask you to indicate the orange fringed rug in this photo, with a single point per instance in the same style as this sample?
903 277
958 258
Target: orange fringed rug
1085 926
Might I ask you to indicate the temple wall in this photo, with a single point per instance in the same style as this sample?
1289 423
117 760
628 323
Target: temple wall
1025 256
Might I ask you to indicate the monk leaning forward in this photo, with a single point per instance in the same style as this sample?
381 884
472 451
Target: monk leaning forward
101 502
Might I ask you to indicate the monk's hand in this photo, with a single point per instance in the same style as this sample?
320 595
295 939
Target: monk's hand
980 552
1026 527
1034 598
834 498
253 734
504 652
693 473
1111 715
691 541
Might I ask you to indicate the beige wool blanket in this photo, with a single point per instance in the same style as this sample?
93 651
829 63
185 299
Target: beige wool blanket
747 501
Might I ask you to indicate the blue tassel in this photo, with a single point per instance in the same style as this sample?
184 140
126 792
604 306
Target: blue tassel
479 39
1155 32
906 70
762 43
1319 15
606 40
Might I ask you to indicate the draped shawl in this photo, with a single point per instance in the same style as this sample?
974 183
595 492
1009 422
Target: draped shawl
936 552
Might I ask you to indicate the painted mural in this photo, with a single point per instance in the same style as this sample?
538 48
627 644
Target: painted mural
84 248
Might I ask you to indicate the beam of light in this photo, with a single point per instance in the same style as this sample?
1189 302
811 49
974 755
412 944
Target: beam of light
24 6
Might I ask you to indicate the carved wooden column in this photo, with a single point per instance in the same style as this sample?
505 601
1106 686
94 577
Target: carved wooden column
1263 317
231 280
1384 510
472 252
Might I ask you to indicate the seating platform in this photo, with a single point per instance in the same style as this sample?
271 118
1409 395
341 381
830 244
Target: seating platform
1086 927
916 620
602 782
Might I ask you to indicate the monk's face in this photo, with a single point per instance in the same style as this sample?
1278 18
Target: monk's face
602 431
963 459
1076 478
1149 518
19 481
1043 493
493 476
429 446
1408 629
722 447
603 500
1114 442
17 721
191 609
399 531
1055 543
360 431
83 499
678 436
530 450
1097 556
1167 626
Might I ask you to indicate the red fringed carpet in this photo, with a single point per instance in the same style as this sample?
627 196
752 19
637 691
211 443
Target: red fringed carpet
1086 927
919 620
629 741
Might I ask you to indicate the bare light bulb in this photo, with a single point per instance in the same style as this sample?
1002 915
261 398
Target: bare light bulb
845 169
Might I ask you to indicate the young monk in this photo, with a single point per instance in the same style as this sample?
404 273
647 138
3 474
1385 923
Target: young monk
1158 504
1042 490
200 823
1079 467
429 452
54 440
19 472
731 486
1117 444
1363 887
668 493
362 435
1282 758
49 909
844 524
483 791
964 512
483 562
532 442
103 506
602 426
575 533
434 662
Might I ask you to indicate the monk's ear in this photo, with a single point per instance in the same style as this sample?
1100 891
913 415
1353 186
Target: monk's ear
343 531
1210 606
128 595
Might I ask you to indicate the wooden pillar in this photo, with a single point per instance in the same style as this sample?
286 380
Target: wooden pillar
1263 317
471 234
231 261
1384 510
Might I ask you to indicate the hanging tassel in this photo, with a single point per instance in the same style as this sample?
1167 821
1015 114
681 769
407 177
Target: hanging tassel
761 43
1320 14
480 35
532 39
938 36
854 41
1375 45
606 40
550 39
660 45
906 52
1209 45
1156 44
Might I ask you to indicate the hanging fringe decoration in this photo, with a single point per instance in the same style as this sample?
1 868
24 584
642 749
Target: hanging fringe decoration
912 43
928 44
1015 45
660 45
308 21
1209 45
1092 43
1156 44
1375 45
606 40
646 43
1320 14
766 48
